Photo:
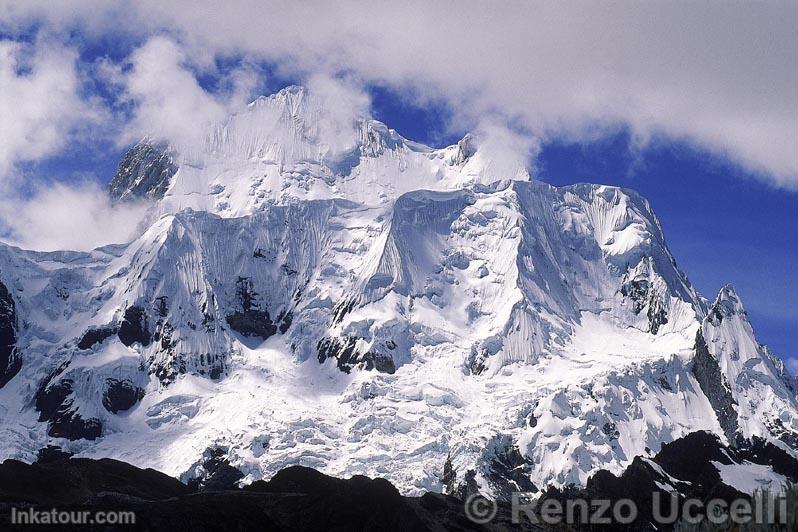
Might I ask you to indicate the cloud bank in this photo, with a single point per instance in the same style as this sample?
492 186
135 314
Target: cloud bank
168 101
68 216
721 75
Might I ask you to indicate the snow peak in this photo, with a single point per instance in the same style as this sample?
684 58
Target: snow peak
82 517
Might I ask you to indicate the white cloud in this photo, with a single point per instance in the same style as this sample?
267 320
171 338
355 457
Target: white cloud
506 153
68 216
341 101
40 106
169 101
792 365
721 75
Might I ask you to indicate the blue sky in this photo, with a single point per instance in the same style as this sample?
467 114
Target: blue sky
716 106
722 225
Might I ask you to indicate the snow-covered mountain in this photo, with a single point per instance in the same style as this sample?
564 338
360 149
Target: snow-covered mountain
318 290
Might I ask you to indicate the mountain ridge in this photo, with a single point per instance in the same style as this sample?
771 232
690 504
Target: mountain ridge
371 305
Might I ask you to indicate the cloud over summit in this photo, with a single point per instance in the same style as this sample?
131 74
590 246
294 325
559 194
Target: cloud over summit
721 76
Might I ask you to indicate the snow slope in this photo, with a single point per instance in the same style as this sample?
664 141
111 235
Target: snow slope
329 293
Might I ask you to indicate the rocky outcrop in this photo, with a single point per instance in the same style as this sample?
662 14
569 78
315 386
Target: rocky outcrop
121 395
252 322
250 319
95 336
215 473
506 470
68 481
134 327
55 404
145 171
643 296
710 377
344 351
685 468
10 360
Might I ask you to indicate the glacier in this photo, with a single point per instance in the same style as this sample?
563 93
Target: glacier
324 292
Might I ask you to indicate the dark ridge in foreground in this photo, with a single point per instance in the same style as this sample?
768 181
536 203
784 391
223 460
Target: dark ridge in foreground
296 499
303 499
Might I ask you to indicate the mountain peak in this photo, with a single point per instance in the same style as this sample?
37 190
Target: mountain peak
726 305
291 92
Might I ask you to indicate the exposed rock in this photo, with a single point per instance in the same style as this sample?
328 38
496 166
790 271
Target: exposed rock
161 306
80 480
468 486
709 376
359 503
10 360
95 336
641 295
637 292
507 470
51 453
285 319
449 476
55 405
252 323
145 171
134 328
344 350
216 473
341 349
610 430
683 468
657 313
121 395
250 319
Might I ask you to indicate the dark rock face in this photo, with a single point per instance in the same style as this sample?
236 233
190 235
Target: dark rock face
252 322
51 454
342 349
641 295
250 319
72 426
347 356
468 486
657 315
637 292
96 336
342 308
507 470
55 405
134 327
10 360
285 319
610 430
709 376
145 171
449 476
219 474
121 395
